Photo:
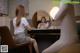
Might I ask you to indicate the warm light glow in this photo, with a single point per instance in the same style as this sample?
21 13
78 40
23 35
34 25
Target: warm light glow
53 12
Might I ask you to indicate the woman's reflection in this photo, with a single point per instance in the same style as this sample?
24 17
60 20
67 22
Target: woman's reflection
44 24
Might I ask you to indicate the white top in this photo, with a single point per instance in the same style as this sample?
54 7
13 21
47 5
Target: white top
21 27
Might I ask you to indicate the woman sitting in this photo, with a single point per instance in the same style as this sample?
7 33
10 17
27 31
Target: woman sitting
20 24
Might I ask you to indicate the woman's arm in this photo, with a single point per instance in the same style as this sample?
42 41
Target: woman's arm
39 25
26 24
29 27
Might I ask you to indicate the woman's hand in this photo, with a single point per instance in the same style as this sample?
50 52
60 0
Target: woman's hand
30 28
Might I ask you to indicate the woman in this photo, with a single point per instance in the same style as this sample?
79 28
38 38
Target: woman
43 24
20 23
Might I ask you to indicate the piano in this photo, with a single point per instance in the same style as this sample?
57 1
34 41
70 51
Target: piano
44 32
45 37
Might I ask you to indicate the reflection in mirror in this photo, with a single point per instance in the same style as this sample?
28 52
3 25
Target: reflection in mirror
37 17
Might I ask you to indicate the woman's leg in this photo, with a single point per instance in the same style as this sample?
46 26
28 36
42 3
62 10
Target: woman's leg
30 48
35 45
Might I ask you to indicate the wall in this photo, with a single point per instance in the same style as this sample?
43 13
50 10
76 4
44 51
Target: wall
4 7
77 9
5 21
35 5
14 3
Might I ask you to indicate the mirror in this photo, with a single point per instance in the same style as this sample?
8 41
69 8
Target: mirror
36 18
